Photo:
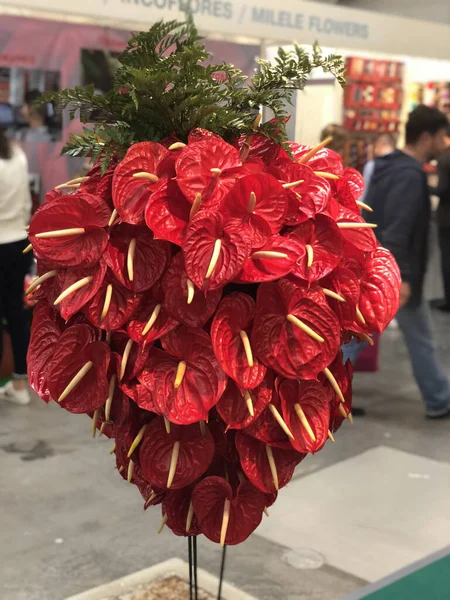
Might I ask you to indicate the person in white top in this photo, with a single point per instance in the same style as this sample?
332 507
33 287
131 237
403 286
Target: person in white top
15 210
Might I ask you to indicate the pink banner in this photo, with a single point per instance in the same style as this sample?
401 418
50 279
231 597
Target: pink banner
35 53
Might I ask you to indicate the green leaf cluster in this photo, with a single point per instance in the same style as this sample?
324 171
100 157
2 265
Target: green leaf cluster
166 86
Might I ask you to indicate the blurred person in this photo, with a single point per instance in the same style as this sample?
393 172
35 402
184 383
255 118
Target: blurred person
443 222
399 196
339 135
36 117
15 208
384 144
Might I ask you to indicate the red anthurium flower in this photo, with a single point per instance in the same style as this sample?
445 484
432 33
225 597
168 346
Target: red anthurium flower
52 195
324 160
238 408
342 389
112 305
207 167
177 506
353 259
295 332
135 258
45 333
77 375
269 469
182 340
214 250
140 395
185 381
270 427
119 417
70 234
260 202
135 178
277 258
167 212
230 336
305 407
199 135
224 516
76 287
349 188
182 300
100 185
176 459
151 320
380 289
323 244
308 194
256 145
354 229
342 289
133 355
45 288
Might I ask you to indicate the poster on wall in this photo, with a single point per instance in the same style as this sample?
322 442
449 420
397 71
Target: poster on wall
372 104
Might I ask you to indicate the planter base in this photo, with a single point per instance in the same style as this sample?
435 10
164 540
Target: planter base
165 581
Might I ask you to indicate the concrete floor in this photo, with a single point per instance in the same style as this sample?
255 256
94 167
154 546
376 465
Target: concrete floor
68 522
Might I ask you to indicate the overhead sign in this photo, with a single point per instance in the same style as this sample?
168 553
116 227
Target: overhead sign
287 21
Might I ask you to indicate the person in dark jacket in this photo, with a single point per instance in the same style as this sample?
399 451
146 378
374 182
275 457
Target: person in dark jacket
443 221
398 194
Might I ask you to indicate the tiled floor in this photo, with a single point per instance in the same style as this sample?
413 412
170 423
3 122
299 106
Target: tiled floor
368 515
377 498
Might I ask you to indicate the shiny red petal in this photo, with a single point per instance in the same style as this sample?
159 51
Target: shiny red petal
151 257
246 509
204 231
232 406
380 289
77 346
314 401
45 332
81 250
235 315
196 395
131 194
175 287
176 505
284 347
151 302
122 305
260 202
324 237
324 160
255 463
345 283
307 198
79 299
257 270
194 164
362 239
349 188
167 212
195 454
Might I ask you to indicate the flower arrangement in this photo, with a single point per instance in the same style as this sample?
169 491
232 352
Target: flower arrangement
195 287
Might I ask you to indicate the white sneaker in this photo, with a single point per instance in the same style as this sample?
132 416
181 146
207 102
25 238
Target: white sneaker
20 397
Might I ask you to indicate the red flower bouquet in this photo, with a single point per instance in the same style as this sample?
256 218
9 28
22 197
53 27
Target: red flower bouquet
196 286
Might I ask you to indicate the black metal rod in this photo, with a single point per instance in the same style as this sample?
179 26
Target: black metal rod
190 567
222 571
194 548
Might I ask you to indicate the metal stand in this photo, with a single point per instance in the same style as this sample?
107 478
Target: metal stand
193 580
193 583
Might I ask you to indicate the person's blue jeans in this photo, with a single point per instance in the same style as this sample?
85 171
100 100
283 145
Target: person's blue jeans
430 377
